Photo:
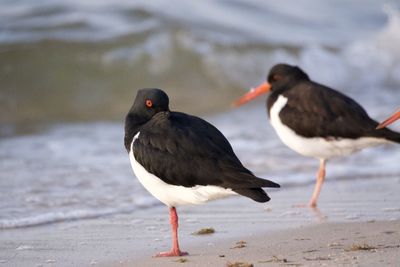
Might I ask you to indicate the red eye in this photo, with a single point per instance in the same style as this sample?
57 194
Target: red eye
149 103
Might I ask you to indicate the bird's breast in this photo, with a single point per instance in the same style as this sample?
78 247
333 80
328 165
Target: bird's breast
316 147
174 195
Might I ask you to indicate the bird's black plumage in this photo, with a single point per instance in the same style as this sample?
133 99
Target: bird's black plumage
314 110
315 120
185 150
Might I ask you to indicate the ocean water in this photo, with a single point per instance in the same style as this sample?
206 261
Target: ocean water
69 71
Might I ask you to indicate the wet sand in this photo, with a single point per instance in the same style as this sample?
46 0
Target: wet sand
358 223
326 244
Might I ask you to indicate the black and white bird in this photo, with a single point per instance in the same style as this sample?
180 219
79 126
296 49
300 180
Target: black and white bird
394 117
316 121
181 159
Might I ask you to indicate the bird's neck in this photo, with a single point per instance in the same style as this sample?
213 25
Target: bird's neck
277 90
133 124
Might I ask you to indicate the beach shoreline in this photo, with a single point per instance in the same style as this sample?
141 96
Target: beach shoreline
353 212
325 244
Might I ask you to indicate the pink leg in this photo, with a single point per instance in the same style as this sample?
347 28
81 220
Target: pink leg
318 184
175 251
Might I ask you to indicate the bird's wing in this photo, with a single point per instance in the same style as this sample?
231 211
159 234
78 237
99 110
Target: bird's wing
185 150
324 112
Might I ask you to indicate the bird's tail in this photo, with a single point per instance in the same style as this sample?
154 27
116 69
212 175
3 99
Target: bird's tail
389 135
256 194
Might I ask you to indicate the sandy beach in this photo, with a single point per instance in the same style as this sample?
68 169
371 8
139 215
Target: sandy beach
326 244
358 223
70 71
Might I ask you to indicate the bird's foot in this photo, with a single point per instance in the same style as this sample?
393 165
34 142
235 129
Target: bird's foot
312 204
172 253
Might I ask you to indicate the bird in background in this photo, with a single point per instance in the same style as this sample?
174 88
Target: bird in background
182 159
394 117
315 120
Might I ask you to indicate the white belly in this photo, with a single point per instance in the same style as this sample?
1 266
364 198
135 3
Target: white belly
317 147
174 195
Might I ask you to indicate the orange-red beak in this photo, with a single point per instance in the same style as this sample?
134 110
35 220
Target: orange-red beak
389 120
253 93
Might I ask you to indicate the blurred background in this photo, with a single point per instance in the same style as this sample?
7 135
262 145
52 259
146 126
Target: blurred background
69 71
69 60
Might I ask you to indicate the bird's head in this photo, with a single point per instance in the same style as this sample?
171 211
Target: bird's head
279 75
148 102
